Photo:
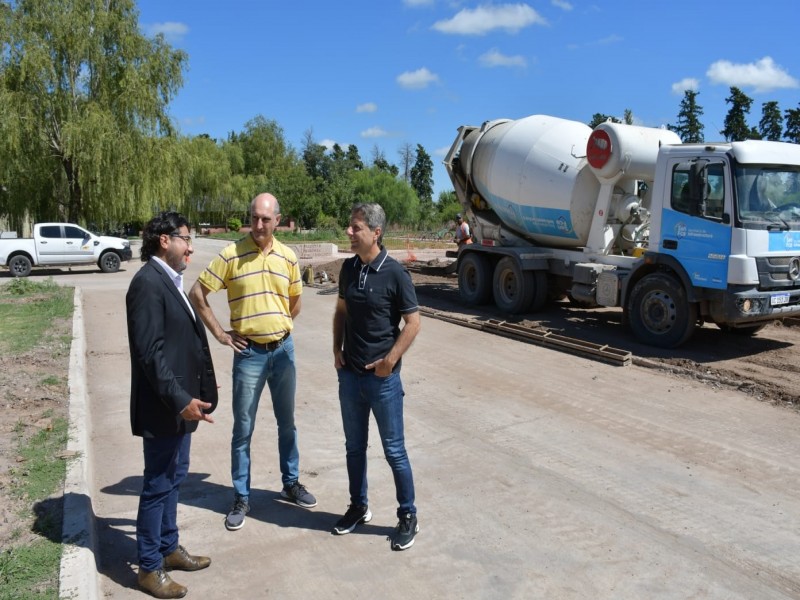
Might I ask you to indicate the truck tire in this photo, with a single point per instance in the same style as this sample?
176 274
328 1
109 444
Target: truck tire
109 262
20 266
659 312
513 287
475 279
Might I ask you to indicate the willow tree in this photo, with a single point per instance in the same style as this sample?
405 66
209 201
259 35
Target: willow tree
84 129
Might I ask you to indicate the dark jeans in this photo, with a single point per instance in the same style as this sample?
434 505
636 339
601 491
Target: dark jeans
166 463
360 393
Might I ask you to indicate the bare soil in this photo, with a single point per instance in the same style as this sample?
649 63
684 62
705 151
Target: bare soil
761 365
34 392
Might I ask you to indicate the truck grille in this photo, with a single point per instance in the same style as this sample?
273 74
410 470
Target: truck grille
778 272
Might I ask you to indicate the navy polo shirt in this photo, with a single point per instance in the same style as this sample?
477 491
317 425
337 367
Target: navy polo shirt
377 295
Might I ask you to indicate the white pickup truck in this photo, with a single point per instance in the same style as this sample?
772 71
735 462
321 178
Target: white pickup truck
62 244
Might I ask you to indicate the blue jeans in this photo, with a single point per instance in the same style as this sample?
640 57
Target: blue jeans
360 393
252 368
166 463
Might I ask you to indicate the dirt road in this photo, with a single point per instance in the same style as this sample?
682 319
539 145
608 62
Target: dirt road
539 475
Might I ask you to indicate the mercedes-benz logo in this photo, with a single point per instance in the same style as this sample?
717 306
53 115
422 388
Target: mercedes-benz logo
794 268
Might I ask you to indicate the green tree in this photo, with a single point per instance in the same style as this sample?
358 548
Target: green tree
379 162
792 132
736 128
627 118
771 125
396 197
354 158
448 206
422 178
689 127
84 129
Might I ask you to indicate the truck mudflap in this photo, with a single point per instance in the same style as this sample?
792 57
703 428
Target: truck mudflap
753 306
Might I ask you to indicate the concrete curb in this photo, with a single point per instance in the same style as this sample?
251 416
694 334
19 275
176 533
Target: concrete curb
78 577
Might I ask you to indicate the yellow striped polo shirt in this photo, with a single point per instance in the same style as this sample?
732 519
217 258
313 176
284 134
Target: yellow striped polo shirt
259 287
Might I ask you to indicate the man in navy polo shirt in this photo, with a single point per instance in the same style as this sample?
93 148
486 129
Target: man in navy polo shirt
375 292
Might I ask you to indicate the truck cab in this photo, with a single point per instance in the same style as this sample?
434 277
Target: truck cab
731 219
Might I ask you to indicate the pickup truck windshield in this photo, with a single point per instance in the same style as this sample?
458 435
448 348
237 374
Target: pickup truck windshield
768 197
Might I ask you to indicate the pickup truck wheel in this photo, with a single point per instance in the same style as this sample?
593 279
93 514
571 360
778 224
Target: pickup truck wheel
513 287
659 313
109 262
474 279
20 266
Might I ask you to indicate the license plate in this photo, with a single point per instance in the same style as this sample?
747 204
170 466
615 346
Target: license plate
778 299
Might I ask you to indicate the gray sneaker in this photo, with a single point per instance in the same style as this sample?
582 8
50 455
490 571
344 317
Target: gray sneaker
235 518
298 494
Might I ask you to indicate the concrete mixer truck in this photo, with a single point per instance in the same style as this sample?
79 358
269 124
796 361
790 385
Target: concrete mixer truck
620 215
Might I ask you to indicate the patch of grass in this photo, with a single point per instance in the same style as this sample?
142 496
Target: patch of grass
27 311
32 317
28 572
41 473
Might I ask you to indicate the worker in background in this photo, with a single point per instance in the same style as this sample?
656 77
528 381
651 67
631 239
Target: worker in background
462 231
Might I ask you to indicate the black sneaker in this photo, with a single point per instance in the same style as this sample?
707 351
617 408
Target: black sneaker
235 518
298 494
354 516
407 529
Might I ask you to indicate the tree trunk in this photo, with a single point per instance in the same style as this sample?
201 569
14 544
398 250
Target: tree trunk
75 202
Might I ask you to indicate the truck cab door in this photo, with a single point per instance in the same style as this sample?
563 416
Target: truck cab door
80 244
696 222
51 245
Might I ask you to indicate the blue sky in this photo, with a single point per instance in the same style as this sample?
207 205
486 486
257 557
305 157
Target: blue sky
389 72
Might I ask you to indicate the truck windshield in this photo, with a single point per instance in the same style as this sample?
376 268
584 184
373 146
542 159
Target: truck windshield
768 197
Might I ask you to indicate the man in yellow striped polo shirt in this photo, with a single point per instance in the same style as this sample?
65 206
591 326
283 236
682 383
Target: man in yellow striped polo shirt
263 281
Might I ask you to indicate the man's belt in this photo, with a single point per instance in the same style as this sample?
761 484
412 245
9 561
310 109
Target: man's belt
270 346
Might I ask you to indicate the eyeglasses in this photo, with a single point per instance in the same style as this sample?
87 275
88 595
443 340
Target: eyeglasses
185 238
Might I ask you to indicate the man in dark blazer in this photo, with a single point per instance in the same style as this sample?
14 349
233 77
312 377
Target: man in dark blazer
173 387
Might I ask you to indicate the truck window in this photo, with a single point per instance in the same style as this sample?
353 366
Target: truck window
712 203
50 231
74 232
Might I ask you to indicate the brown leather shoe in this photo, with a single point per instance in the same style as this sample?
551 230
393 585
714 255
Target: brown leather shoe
181 560
159 584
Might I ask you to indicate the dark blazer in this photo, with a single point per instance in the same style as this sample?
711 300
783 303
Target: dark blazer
170 359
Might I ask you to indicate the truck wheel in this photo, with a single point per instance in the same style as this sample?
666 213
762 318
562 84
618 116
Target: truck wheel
474 279
109 262
659 313
20 266
513 287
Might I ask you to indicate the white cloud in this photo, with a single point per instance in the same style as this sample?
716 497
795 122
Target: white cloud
367 107
687 83
561 4
374 132
417 80
481 20
494 58
328 143
763 75
173 32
